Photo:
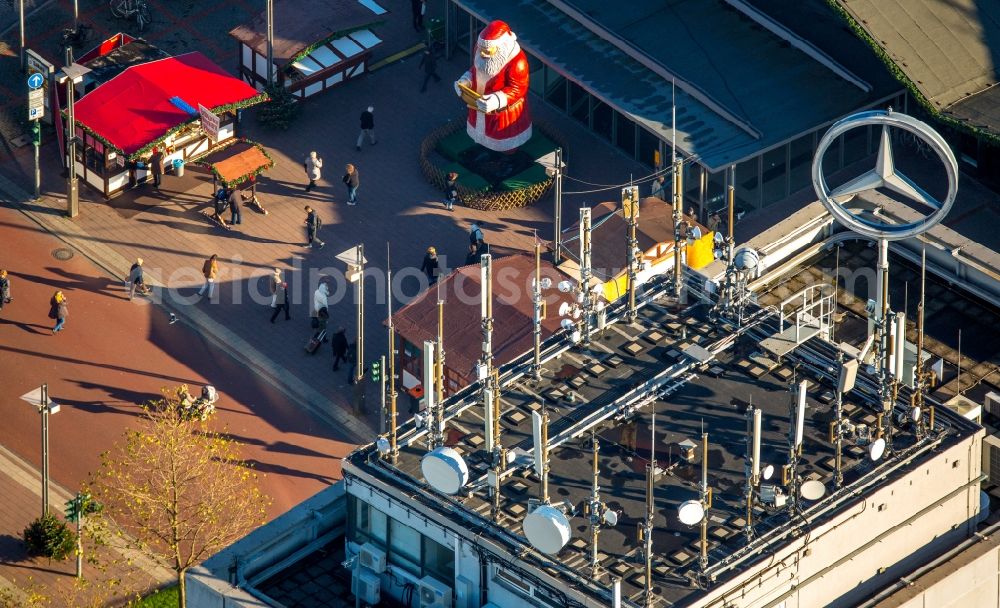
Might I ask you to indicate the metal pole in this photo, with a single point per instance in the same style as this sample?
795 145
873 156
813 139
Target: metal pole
537 363
20 16
647 540
703 561
585 271
883 325
76 15
439 374
838 435
43 409
36 137
72 188
595 505
393 445
270 42
678 203
630 204
79 538
381 393
557 254
359 370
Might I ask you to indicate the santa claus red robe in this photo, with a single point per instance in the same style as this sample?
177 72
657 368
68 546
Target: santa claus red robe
510 126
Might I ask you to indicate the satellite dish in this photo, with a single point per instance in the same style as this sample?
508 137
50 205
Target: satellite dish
547 529
877 449
564 309
382 445
566 324
691 512
747 259
718 237
565 286
546 282
915 414
813 489
445 470
611 517
768 472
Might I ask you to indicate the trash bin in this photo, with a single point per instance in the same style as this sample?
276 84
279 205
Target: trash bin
178 167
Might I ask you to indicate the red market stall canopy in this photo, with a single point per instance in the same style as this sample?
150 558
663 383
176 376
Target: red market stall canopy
237 162
145 103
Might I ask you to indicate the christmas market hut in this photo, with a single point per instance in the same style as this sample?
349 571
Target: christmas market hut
236 164
184 106
315 46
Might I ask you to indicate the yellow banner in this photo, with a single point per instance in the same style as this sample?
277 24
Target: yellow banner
616 288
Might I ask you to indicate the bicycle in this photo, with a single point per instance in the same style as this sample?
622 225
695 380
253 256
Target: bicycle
124 9
77 37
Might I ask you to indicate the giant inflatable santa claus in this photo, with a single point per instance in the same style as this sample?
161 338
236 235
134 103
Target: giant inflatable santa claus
496 90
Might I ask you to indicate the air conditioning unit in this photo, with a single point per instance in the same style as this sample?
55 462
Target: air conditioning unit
366 586
992 404
372 558
434 593
991 458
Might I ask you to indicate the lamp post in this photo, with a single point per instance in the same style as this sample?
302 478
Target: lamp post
20 17
72 74
40 399
270 42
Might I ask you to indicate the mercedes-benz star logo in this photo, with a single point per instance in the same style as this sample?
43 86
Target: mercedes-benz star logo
885 175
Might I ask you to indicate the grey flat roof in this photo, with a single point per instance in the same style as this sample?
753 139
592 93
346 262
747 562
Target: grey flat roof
584 382
950 50
750 72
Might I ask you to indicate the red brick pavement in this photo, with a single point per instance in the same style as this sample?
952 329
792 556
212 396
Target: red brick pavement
397 207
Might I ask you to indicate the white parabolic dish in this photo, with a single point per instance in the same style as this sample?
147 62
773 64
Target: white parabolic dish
547 529
445 470
813 489
690 512
877 449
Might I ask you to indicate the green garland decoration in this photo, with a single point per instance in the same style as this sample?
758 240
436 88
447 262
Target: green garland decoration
270 162
148 148
911 86
339 34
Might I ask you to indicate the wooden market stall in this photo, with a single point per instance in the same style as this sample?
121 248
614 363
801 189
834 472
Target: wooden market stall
156 105
237 164
317 45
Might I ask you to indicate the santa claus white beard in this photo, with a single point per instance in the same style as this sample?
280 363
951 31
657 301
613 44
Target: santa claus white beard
488 67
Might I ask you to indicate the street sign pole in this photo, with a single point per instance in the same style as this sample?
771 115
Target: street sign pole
43 409
36 136
36 110
20 16
72 187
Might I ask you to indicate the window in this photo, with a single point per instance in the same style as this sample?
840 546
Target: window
715 195
601 119
774 175
831 160
579 103
555 89
404 547
439 561
855 144
747 185
649 145
800 165
365 523
536 75
625 134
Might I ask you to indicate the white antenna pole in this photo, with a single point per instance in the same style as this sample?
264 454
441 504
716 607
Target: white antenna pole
752 464
800 413
595 504
537 301
429 392
393 445
705 500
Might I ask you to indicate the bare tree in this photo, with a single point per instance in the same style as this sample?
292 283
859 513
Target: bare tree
179 488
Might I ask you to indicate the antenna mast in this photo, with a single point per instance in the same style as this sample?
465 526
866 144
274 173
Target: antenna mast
537 301
393 445
706 502
917 396
439 375
585 269
795 434
752 464
630 208
595 504
647 525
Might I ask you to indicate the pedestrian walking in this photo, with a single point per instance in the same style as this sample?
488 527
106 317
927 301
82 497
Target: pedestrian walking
313 224
156 167
210 269
58 310
279 295
418 8
472 257
136 280
352 181
430 265
659 188
367 127
429 62
451 191
233 198
339 344
475 234
312 165
5 297
320 308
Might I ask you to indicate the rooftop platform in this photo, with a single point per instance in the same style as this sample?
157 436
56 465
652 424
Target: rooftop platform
696 375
